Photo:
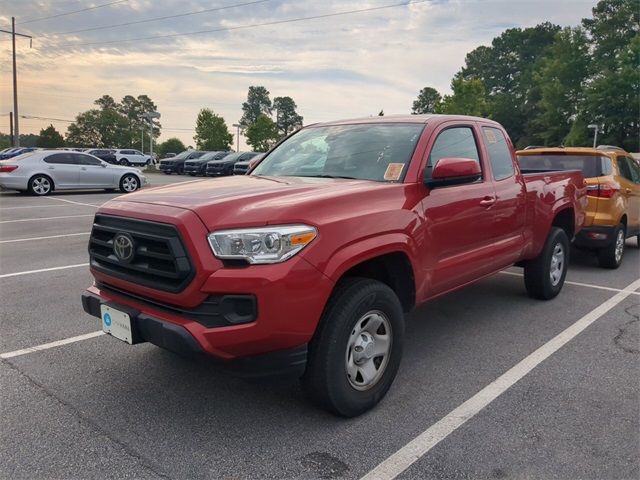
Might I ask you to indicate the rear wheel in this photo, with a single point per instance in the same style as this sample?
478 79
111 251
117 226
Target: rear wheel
124 161
545 274
180 170
167 173
355 354
40 185
129 183
611 256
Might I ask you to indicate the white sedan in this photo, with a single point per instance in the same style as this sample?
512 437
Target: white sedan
43 171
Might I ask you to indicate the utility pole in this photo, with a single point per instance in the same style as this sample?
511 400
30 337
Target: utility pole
11 129
238 127
16 141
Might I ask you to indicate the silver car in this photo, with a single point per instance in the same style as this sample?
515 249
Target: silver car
43 171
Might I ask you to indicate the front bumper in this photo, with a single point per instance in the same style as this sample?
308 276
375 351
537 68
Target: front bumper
147 328
595 237
168 168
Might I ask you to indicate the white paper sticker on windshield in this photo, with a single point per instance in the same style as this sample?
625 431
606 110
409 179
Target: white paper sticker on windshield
490 136
394 170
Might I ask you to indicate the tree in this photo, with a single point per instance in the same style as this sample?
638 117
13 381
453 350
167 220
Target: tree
212 132
612 97
50 138
469 98
98 128
262 134
171 145
106 102
134 109
258 103
560 79
287 119
428 101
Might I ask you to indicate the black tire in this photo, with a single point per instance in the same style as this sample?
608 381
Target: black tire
166 173
326 379
124 161
40 185
180 170
109 190
129 183
192 174
611 256
537 272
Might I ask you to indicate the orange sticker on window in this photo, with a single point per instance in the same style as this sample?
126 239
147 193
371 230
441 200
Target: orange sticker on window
490 136
394 170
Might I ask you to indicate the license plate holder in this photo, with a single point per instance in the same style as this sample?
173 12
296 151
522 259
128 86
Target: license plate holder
116 323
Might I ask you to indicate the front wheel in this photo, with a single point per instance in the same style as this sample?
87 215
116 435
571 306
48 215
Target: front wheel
129 183
611 256
40 185
356 352
545 274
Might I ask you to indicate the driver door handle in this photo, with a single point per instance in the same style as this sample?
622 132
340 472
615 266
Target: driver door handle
488 201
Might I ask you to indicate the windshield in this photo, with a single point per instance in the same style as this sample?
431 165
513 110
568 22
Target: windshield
590 165
182 155
379 152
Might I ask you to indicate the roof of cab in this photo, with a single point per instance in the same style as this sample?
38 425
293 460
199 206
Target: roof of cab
406 119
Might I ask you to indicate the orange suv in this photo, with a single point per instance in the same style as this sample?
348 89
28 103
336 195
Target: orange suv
612 177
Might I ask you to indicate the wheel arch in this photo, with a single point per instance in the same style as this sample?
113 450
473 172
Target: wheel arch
41 174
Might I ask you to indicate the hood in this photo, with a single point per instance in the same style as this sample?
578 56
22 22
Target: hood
246 200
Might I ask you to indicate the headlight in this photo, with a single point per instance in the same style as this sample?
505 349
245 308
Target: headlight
262 245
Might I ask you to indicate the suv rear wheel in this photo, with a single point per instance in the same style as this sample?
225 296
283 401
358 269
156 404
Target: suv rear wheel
355 354
124 161
611 256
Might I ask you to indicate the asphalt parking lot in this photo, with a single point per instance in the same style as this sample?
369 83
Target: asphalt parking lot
96 407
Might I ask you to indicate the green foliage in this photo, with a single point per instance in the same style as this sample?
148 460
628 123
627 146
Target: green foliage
287 119
262 134
469 98
258 103
560 79
170 145
114 125
50 138
428 101
5 141
212 132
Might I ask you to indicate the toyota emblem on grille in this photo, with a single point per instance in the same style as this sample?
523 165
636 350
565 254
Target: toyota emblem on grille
123 247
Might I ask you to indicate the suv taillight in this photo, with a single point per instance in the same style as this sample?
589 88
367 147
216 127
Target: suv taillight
603 190
7 168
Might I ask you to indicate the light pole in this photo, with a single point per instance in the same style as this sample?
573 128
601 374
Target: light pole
596 129
238 128
150 116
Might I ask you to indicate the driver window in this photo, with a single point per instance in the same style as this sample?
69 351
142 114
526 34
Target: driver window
454 142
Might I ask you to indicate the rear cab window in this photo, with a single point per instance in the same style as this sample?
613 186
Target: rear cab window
499 151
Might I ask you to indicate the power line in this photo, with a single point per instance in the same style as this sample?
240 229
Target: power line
72 12
242 27
157 19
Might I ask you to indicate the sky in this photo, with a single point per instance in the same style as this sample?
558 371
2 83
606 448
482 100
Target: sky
339 66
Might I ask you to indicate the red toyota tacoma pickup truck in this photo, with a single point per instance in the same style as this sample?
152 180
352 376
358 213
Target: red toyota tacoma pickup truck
309 263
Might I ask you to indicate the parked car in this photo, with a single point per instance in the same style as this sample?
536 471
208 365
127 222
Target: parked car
14 152
131 157
198 166
105 154
223 167
243 166
613 190
310 271
176 164
169 155
43 171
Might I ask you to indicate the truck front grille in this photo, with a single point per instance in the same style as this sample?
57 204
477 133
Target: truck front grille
157 258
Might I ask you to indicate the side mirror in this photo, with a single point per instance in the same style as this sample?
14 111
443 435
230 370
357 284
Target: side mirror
452 171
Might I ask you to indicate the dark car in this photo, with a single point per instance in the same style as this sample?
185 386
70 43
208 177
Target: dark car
176 164
15 152
198 166
103 154
220 168
243 166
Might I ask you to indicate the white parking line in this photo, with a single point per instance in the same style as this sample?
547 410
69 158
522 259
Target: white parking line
45 218
28 272
578 284
75 203
47 346
419 446
44 238
2 209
